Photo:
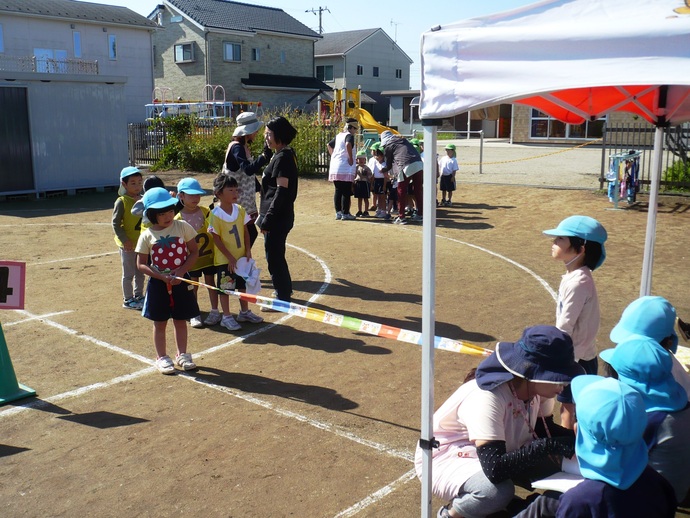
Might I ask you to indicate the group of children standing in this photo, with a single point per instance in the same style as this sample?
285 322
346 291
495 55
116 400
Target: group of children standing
370 180
172 240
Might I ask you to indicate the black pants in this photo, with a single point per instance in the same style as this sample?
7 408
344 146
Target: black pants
342 196
274 244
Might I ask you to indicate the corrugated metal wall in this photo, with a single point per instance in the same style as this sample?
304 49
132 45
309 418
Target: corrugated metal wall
16 171
79 134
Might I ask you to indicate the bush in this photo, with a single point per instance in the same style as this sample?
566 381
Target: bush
679 172
189 148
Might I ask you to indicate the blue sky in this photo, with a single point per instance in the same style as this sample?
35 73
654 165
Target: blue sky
403 20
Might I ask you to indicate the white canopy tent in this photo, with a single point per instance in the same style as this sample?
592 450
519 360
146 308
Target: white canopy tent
572 59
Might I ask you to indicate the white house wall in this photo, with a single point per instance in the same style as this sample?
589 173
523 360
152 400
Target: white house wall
23 34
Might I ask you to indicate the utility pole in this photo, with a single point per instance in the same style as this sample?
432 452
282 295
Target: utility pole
320 10
395 39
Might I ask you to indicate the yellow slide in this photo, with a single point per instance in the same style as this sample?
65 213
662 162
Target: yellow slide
367 121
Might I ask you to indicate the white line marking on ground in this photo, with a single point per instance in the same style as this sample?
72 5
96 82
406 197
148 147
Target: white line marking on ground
37 317
539 279
376 496
59 224
73 258
91 339
327 427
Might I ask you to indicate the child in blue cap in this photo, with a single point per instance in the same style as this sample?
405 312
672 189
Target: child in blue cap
652 317
643 364
189 193
612 455
167 250
127 227
579 243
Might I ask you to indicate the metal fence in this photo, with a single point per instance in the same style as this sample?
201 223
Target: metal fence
621 138
48 65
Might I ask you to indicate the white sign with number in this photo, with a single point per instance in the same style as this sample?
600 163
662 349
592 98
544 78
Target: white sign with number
12 278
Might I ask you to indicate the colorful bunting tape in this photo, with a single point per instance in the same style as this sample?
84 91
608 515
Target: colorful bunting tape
351 323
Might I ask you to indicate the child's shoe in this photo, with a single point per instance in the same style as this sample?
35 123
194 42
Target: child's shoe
338 215
165 365
213 318
132 303
230 323
365 214
196 322
248 316
347 217
400 221
184 362
359 214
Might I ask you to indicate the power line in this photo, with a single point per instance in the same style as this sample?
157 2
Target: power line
320 10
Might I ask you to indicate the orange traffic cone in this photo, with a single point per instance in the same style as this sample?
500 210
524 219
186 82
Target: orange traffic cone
10 390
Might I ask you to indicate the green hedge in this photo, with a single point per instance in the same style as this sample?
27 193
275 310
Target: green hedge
192 146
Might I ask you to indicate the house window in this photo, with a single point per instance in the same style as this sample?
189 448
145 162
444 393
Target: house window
112 47
324 72
256 55
232 51
376 71
283 56
76 40
398 73
360 70
544 126
184 52
2 44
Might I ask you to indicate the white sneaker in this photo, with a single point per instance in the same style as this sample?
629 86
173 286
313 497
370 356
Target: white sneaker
196 322
184 362
248 316
213 318
230 323
400 221
165 365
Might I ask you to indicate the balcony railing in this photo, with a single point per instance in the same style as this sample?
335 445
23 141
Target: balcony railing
47 65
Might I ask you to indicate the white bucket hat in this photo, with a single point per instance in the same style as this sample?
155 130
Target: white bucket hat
247 124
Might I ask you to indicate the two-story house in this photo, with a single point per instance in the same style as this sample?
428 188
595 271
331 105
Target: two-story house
256 53
368 59
72 75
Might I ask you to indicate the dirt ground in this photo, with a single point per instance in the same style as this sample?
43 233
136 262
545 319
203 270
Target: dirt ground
291 417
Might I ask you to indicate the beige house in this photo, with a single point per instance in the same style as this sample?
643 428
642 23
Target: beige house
236 52
368 59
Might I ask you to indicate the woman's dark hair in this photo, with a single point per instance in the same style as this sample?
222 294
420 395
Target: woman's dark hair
592 250
152 214
222 181
153 181
283 131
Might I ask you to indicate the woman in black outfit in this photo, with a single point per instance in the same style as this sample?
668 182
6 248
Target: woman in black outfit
277 214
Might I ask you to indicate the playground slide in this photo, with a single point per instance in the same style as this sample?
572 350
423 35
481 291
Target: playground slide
367 121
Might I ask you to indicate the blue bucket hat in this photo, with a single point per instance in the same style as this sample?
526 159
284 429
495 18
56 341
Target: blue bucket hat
190 186
611 420
158 198
653 317
646 366
585 228
544 354
128 171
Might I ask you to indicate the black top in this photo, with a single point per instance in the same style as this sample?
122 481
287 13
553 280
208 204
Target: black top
278 203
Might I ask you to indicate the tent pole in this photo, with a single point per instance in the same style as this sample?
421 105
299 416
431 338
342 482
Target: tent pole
428 310
648 260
